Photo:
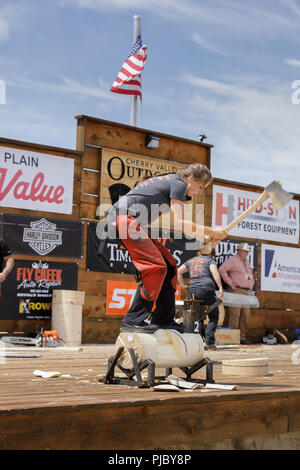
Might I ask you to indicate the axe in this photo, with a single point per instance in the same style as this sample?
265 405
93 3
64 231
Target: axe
279 197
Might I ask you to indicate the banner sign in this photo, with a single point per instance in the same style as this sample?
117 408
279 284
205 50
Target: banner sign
280 269
265 223
26 293
227 248
36 181
115 257
121 171
119 295
33 235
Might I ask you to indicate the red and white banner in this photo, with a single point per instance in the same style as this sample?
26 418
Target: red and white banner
36 181
265 223
120 294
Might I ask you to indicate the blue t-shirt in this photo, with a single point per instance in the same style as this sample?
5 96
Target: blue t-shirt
154 195
199 272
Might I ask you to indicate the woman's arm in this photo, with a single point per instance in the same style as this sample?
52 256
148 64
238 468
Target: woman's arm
183 269
215 273
9 264
190 228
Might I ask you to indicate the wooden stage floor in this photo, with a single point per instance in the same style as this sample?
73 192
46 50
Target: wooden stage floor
79 412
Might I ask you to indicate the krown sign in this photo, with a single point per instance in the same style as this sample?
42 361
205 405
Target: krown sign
36 181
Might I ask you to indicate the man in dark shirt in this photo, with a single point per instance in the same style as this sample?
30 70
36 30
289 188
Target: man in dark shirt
6 261
204 276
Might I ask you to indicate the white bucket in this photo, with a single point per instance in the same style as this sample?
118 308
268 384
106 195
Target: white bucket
166 348
67 321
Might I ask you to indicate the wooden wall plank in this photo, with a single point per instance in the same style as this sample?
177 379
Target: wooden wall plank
130 139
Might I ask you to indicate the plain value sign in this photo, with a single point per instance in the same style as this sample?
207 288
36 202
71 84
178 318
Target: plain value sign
265 223
280 269
36 181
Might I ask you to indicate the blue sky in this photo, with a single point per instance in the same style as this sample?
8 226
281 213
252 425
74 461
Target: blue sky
223 68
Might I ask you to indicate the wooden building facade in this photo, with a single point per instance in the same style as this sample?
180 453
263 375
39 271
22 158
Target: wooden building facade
102 148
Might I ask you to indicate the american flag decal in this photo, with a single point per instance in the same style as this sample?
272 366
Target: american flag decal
128 81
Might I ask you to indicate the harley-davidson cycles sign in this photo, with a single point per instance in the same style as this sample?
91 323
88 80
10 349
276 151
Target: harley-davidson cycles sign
42 236
36 181
26 293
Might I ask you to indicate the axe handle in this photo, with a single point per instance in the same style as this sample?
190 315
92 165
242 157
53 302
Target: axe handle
248 211
258 202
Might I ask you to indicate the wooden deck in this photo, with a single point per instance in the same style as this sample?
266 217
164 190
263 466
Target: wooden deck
79 412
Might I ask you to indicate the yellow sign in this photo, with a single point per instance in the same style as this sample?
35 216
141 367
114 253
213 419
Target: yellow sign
121 171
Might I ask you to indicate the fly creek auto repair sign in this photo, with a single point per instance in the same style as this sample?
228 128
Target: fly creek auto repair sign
265 223
26 293
36 181
280 269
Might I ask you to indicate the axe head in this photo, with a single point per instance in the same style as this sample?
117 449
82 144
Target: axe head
279 196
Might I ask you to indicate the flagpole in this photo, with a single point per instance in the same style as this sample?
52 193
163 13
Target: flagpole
136 34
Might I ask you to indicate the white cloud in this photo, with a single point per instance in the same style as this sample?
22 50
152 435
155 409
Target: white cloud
4 28
293 62
254 130
206 44
67 85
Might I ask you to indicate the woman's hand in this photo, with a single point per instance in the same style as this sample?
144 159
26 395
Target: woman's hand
218 233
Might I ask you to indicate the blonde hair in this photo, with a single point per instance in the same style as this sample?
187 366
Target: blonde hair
199 171
206 250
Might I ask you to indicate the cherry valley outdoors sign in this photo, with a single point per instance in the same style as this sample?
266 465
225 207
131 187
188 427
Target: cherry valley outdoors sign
36 181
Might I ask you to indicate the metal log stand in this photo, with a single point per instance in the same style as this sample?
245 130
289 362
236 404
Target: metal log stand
194 310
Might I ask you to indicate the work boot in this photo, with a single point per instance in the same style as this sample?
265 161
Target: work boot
142 327
245 342
172 325
210 346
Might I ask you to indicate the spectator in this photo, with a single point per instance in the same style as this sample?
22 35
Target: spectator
6 261
204 277
238 274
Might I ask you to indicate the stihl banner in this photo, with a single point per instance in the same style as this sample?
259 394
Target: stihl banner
120 294
36 181
280 269
265 223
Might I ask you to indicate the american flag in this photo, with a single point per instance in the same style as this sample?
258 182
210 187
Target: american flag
128 81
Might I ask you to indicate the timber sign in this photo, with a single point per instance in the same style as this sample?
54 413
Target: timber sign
36 181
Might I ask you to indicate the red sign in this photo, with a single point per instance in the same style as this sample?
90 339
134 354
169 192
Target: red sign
119 295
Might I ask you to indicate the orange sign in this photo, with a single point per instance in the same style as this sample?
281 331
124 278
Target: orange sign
119 295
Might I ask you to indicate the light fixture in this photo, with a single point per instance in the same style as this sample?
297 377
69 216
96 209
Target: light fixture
152 142
202 137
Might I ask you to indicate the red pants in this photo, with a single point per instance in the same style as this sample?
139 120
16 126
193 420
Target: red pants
158 272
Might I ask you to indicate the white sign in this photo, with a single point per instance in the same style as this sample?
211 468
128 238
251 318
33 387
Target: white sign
36 181
280 269
265 223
